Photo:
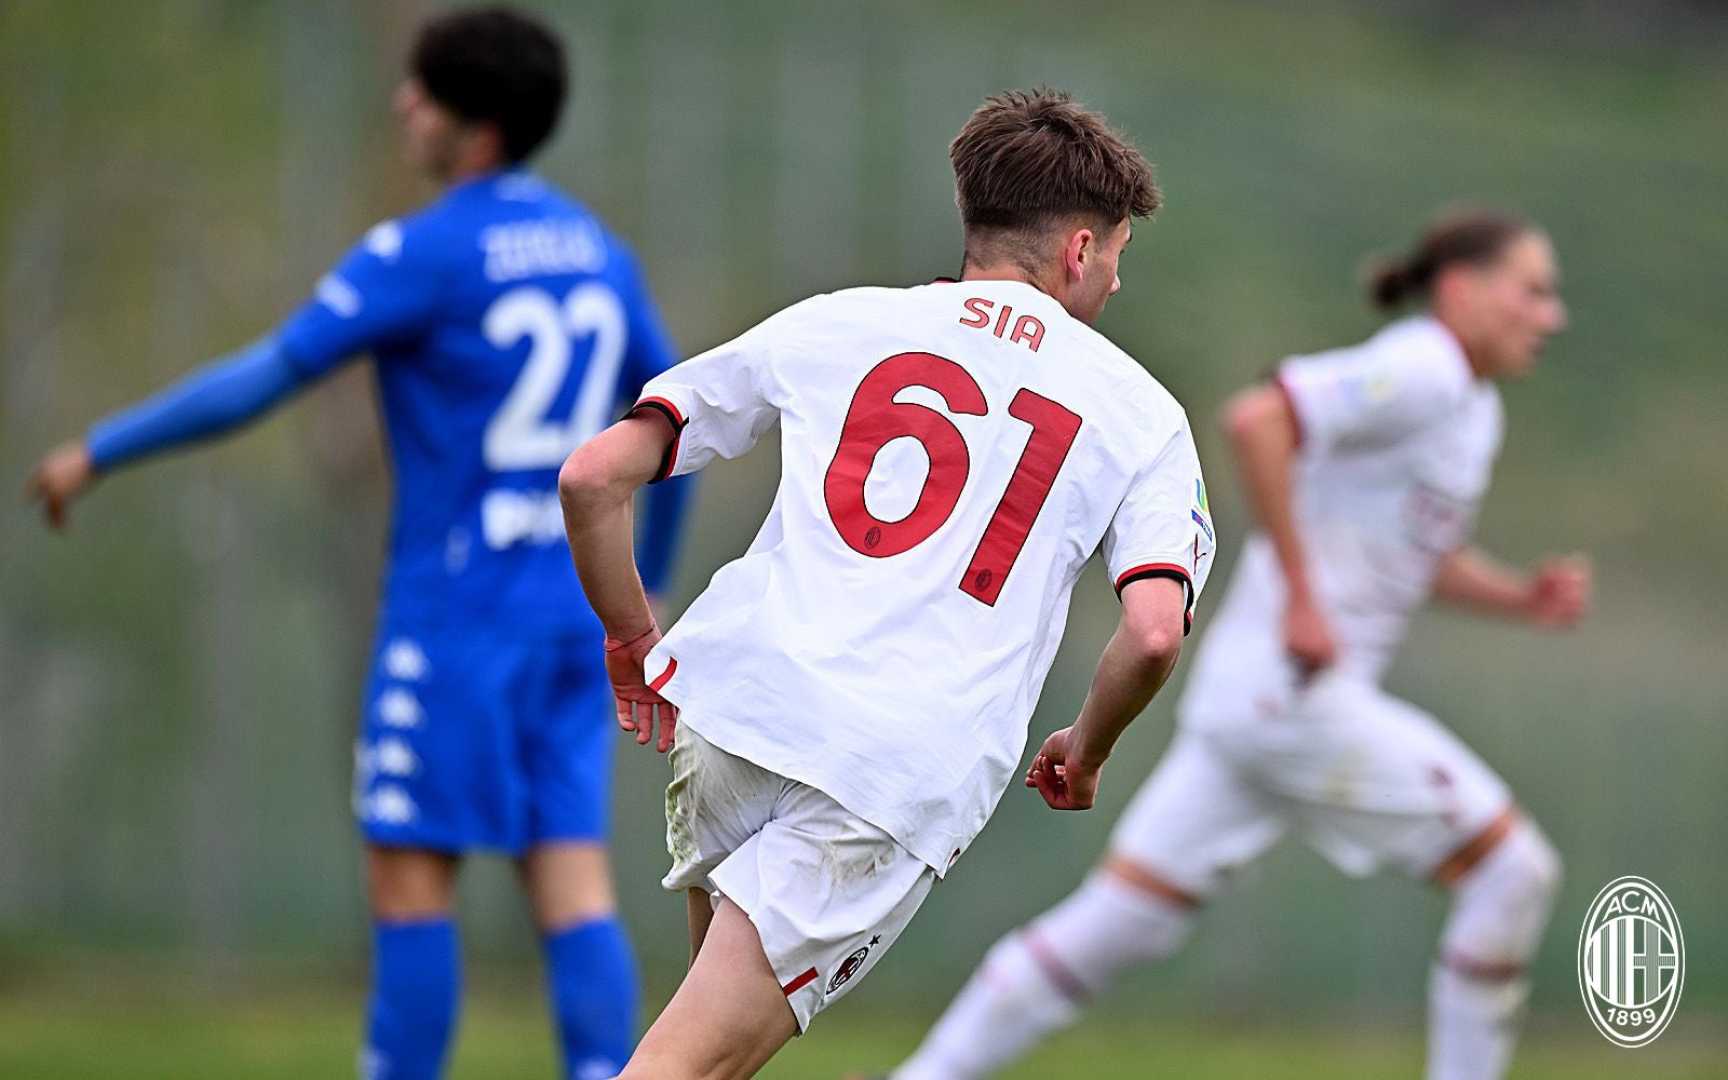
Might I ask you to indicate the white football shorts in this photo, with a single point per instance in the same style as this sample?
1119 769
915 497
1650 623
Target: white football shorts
1366 779
828 892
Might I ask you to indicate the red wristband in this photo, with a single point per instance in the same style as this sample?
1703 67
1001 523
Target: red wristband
613 644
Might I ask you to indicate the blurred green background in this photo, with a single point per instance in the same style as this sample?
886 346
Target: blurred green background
179 676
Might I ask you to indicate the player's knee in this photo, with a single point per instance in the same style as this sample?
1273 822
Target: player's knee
569 884
1501 908
1534 865
1108 924
410 884
1154 925
409 906
1551 869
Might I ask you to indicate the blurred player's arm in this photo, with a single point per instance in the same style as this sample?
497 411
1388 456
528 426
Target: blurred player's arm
1363 396
597 488
1556 594
217 398
1263 431
1135 664
384 289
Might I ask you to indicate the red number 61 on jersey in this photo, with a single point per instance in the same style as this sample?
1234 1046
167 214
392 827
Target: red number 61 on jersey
875 419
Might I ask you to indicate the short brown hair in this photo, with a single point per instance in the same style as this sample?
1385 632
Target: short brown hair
1026 157
1473 235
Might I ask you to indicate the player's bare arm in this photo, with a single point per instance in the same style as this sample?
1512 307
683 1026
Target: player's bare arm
1263 432
1555 595
596 488
1135 664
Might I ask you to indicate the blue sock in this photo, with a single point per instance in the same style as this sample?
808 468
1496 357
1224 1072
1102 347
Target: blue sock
592 979
416 982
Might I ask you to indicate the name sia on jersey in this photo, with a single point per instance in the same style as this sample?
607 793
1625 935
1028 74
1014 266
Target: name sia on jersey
921 551
952 456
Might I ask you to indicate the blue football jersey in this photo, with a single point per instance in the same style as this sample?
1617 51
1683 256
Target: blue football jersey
507 325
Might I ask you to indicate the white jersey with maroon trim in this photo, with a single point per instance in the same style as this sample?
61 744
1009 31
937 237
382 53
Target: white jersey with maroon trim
1398 441
951 457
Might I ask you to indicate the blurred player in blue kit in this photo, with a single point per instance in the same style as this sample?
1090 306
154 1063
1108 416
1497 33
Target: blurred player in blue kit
507 325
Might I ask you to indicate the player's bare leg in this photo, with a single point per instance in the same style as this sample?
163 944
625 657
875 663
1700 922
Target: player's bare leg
590 972
415 968
729 1016
1503 883
1037 979
567 882
406 884
701 915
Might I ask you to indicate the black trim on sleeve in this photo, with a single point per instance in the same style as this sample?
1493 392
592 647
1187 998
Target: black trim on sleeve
669 459
1174 574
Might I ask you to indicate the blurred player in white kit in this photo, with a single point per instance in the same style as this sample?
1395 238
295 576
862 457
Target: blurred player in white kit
1363 467
846 702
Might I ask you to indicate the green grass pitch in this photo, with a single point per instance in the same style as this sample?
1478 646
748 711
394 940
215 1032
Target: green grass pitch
98 1033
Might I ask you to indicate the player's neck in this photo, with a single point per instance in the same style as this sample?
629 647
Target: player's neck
1472 357
1003 272
471 166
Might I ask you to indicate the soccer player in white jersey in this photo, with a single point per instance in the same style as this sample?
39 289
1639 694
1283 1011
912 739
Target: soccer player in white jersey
847 701
1364 467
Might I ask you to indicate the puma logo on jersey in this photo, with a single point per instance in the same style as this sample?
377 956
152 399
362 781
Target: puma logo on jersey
1027 329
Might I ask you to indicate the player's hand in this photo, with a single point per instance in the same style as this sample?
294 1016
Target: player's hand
1308 638
1560 591
60 477
638 705
1065 785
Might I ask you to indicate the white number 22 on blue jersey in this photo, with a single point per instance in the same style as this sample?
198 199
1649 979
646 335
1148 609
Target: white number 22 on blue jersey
521 435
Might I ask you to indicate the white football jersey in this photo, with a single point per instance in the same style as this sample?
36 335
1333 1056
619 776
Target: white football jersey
1398 440
951 456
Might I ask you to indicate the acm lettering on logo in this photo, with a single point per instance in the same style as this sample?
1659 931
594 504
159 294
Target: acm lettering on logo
1631 961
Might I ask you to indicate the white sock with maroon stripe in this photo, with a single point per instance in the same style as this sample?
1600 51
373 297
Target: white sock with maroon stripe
1005 1008
1036 980
1472 1024
1477 991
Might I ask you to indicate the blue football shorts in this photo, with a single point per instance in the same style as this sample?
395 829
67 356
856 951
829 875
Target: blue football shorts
480 739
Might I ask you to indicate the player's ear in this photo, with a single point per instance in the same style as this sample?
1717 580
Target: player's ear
1452 286
1077 249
